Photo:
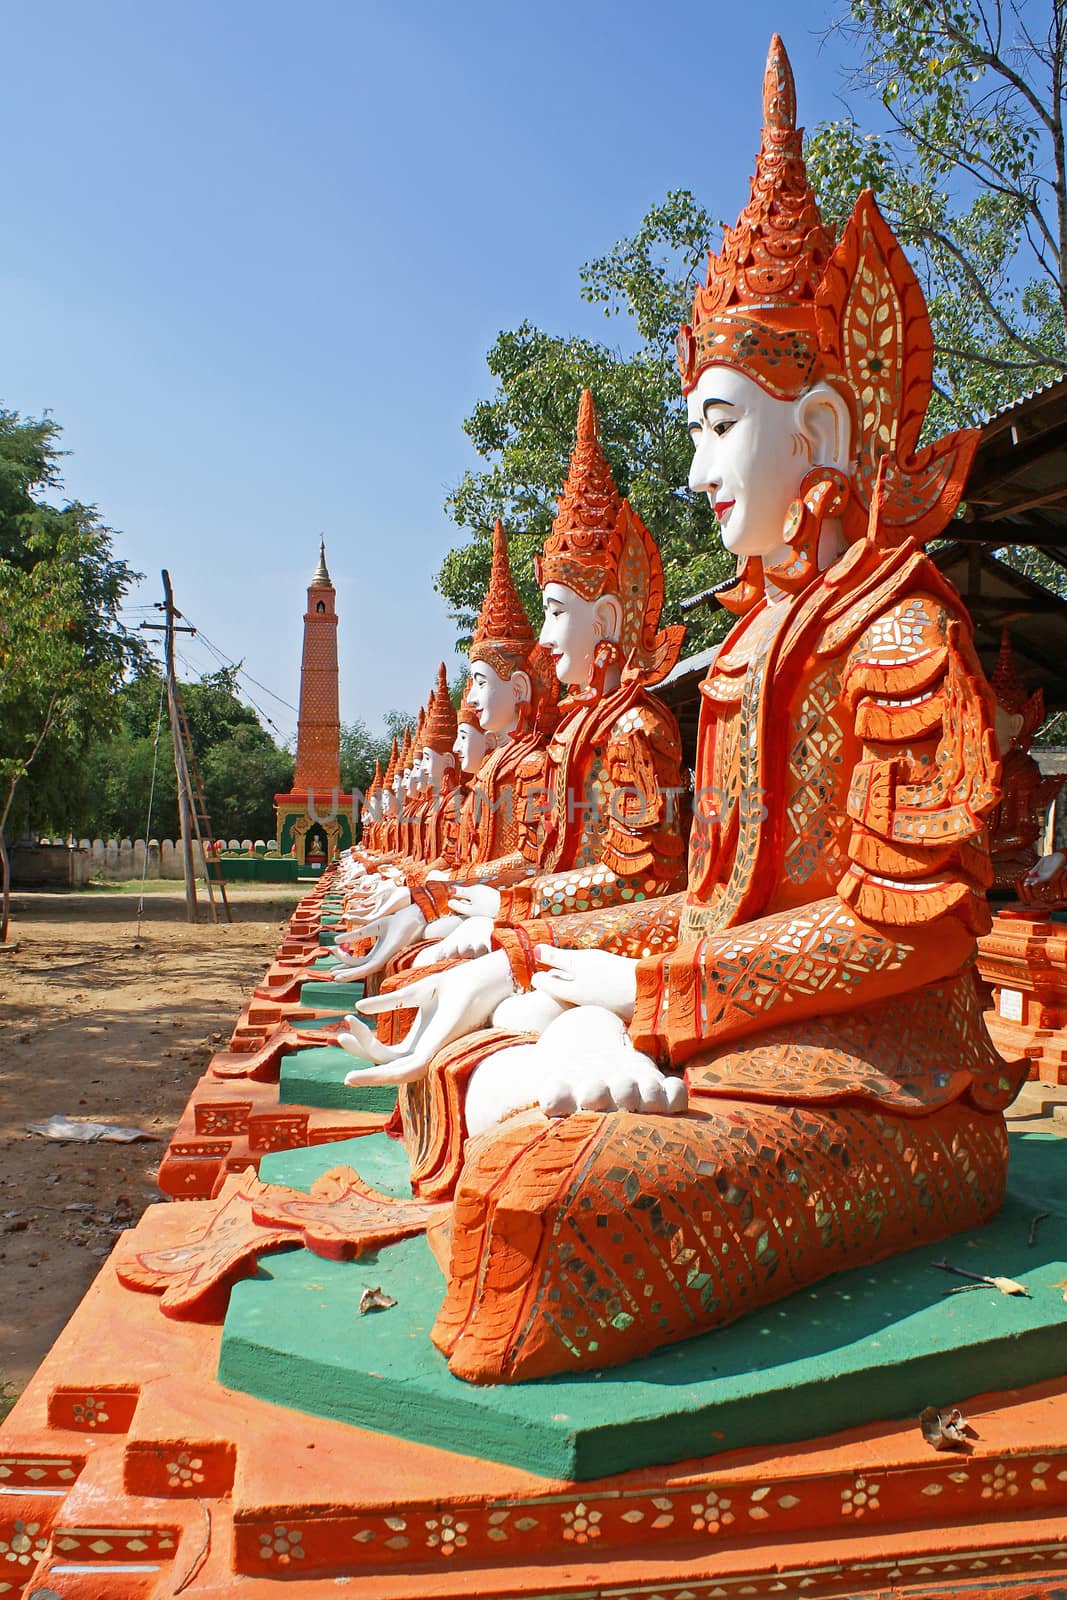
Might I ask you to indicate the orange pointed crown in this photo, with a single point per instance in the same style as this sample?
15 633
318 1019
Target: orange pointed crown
599 545
503 637
788 308
1005 681
390 771
584 548
440 731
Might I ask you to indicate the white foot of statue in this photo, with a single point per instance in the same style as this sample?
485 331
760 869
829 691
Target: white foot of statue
583 1061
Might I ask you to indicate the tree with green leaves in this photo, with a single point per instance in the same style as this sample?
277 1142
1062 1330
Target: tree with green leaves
970 168
63 649
128 782
525 431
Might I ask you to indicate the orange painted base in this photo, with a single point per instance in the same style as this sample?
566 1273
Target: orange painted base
1024 960
127 1472
130 1463
230 1124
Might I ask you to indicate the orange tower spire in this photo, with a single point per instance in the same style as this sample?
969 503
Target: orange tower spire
318 737
315 819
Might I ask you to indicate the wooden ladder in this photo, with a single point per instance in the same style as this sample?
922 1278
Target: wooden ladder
201 821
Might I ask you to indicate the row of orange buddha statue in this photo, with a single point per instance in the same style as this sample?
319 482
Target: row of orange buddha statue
661 1090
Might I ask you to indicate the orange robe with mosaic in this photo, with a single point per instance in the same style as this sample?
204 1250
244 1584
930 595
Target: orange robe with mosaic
817 984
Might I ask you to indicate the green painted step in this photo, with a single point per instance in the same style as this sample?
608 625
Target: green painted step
872 1344
330 996
317 1078
324 964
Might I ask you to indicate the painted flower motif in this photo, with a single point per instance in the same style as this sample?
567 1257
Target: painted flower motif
581 1525
712 1514
860 1499
282 1545
999 1482
185 1471
445 1534
89 1412
25 1545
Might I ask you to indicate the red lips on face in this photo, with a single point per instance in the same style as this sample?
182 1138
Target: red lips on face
722 507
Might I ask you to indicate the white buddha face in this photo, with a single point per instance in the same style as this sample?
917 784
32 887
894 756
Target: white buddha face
434 766
496 700
573 628
470 748
389 802
752 451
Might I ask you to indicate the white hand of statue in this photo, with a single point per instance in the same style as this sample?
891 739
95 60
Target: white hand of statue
363 1042
392 897
588 978
437 875
441 926
1046 869
583 1061
476 900
391 935
1046 880
473 937
450 1004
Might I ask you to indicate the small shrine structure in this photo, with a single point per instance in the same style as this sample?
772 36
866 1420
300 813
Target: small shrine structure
314 820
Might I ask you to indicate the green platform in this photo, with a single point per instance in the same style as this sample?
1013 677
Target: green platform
871 1344
258 869
330 996
317 1078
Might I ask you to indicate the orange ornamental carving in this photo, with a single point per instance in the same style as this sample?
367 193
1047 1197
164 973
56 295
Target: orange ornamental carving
815 981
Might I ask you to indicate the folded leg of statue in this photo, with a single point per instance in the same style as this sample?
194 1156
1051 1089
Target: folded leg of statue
809 1148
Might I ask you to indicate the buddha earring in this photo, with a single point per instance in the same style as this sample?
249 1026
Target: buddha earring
824 493
606 655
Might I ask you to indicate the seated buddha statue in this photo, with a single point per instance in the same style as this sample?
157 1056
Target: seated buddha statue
1018 823
816 990
609 825
456 842
512 693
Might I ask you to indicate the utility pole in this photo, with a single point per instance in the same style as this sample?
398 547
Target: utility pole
169 628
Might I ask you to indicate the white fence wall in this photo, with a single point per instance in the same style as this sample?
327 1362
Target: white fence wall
119 860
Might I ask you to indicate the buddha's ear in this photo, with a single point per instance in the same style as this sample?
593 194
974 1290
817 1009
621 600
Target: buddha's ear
607 616
824 418
521 687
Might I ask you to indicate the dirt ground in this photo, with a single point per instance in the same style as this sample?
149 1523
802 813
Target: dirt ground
99 1023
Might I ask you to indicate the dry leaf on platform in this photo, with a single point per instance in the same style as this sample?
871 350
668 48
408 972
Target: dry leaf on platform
374 1300
1003 1285
945 1430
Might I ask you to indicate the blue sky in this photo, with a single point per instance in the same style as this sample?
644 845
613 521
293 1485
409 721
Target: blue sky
256 254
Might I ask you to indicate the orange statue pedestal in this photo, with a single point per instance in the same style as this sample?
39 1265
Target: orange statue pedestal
1024 960
128 1472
